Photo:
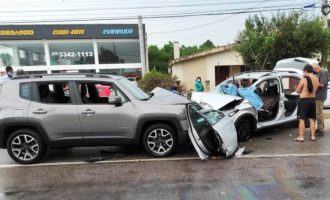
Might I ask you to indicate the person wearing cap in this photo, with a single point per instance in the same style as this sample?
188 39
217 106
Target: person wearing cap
321 96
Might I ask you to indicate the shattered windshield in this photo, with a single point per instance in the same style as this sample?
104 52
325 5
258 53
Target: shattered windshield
200 118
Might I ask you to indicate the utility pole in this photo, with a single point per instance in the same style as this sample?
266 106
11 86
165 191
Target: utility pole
142 46
325 9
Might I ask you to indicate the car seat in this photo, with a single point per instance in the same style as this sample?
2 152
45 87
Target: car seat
45 95
83 93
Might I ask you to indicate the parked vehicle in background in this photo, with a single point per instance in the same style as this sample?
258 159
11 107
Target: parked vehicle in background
296 64
38 112
327 101
276 90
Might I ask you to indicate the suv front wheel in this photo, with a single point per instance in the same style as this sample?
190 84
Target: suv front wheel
159 140
25 146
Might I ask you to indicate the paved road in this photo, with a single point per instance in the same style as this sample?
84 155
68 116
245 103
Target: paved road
252 178
274 168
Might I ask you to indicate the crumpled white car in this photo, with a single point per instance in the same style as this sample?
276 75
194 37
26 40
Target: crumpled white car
210 131
276 90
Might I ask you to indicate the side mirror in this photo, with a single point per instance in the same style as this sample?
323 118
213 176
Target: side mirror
115 100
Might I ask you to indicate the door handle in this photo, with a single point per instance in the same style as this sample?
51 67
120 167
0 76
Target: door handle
88 112
39 111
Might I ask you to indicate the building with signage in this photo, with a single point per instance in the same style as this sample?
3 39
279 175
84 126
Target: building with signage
91 48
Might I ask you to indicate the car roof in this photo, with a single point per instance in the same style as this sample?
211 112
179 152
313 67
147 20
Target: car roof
260 74
64 76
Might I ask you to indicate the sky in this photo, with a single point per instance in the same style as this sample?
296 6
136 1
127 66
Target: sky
216 20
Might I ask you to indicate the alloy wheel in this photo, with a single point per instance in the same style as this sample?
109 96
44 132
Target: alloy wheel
160 141
25 147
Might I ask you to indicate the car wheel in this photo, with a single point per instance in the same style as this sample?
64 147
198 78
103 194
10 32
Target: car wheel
26 146
159 140
244 129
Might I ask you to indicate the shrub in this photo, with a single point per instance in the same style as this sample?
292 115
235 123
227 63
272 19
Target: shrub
155 79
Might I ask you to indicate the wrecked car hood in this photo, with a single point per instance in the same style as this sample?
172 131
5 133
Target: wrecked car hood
165 97
213 100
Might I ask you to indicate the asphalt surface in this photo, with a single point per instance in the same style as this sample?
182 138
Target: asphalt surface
244 178
274 167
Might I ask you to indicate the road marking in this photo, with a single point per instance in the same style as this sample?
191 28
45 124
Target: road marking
167 159
284 155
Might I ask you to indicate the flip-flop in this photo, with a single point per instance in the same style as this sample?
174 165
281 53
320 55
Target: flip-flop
297 140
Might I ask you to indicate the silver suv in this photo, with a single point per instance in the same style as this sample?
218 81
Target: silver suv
70 110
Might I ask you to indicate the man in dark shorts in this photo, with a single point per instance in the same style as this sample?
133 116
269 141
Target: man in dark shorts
307 105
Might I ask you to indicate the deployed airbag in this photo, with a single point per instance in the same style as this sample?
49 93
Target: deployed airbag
253 98
229 89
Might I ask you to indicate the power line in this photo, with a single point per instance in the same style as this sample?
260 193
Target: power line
171 13
125 8
153 16
210 23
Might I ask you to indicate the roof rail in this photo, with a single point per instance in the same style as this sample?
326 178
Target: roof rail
252 71
62 74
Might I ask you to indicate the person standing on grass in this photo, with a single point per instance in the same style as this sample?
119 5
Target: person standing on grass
307 104
199 87
321 96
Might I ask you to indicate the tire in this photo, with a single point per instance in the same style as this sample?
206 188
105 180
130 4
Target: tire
244 129
26 146
159 140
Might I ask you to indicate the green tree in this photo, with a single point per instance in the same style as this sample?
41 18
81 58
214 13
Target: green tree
264 41
159 58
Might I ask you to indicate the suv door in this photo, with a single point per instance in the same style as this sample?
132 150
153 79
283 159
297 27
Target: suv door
52 108
211 132
101 122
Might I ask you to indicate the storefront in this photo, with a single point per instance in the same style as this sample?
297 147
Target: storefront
89 48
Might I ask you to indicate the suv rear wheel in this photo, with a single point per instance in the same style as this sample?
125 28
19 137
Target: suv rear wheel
26 146
159 140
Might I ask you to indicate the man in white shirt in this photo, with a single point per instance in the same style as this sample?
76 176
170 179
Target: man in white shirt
9 73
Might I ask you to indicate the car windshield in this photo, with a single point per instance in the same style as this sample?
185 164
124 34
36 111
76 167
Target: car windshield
198 116
133 89
212 116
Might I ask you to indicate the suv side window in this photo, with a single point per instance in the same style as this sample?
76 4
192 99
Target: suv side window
25 91
54 93
98 92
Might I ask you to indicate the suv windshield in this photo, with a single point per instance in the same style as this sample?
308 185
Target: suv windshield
133 89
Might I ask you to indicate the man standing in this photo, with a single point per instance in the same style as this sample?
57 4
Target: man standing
9 73
321 96
307 106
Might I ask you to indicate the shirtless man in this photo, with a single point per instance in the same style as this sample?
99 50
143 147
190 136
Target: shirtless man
307 104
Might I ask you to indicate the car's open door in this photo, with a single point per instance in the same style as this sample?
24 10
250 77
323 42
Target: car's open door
211 132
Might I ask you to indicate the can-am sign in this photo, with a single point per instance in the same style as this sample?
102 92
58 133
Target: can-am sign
76 31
